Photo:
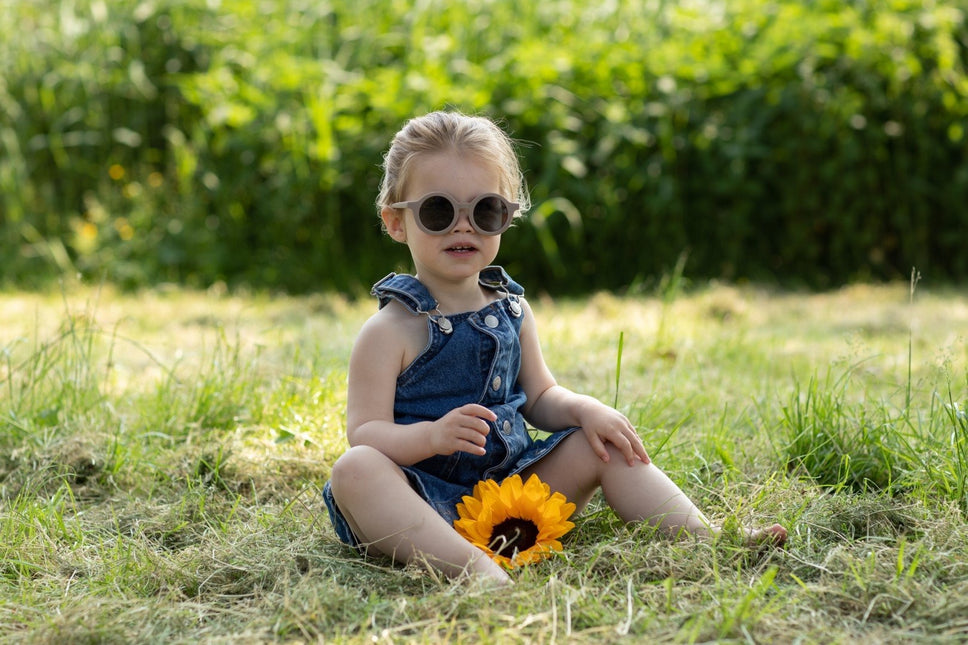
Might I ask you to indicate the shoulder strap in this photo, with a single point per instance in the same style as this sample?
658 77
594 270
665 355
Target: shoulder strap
496 278
407 290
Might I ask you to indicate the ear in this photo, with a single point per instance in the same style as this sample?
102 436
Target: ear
393 221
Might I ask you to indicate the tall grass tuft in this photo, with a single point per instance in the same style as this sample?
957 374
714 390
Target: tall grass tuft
912 447
836 443
939 450
217 390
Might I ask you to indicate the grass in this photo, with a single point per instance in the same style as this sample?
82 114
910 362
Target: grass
162 456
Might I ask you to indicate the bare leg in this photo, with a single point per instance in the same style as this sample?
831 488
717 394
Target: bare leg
641 492
388 516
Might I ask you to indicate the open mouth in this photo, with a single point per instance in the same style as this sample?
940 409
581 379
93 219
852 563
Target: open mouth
461 249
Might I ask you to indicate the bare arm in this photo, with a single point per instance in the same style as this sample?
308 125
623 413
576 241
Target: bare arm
383 348
553 407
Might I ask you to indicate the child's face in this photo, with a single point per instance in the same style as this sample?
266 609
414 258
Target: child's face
462 252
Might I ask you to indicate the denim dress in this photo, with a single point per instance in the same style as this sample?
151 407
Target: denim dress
471 357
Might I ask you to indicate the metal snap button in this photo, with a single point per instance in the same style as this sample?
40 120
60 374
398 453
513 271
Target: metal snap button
491 321
506 428
496 383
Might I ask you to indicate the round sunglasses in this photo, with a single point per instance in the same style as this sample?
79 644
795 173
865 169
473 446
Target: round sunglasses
437 213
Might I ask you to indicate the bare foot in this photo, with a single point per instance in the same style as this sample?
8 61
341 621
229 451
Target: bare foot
773 536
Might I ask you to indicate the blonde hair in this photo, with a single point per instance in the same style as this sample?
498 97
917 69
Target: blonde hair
451 131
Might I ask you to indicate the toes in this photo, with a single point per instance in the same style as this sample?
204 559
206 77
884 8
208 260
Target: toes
775 536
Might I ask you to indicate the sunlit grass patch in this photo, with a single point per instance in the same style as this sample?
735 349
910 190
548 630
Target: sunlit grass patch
162 456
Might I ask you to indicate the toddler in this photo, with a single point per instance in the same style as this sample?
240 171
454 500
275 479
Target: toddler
444 377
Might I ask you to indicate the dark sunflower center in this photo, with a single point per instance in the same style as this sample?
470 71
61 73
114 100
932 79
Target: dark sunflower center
513 534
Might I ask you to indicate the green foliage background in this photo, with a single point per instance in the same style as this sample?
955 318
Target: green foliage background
205 140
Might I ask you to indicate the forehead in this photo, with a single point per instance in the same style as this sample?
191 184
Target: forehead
463 176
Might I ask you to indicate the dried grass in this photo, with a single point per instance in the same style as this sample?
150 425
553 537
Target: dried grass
163 456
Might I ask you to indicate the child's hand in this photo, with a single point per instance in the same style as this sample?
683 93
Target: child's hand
603 424
463 429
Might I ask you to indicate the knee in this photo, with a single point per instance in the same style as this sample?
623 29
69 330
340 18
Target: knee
355 467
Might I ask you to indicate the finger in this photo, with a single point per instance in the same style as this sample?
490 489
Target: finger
627 443
475 449
475 410
598 447
475 436
479 426
630 455
468 440
638 447
641 453
625 446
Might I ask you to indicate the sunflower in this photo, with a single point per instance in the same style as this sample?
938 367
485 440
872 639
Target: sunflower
515 523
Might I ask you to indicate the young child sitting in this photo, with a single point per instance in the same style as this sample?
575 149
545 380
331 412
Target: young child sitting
444 377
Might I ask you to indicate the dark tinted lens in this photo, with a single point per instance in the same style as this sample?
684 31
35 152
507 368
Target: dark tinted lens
490 214
437 213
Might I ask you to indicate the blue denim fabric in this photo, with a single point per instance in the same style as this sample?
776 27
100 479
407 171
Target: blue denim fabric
476 362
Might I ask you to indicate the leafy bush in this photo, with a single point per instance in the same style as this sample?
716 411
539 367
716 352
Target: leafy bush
192 141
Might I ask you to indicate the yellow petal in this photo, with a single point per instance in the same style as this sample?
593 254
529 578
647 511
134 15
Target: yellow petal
472 507
493 503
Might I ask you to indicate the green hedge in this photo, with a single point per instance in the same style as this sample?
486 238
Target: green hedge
196 141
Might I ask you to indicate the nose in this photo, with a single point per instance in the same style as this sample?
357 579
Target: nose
463 220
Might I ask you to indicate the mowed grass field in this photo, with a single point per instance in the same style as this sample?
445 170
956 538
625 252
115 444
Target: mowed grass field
162 455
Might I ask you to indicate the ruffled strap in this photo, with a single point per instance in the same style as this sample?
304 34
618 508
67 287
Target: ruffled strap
406 289
496 278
